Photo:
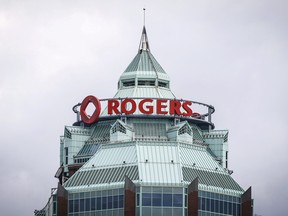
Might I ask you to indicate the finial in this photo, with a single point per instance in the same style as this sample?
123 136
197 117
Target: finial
144 45
144 15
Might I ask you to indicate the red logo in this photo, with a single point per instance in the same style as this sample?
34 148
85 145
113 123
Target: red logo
129 106
84 116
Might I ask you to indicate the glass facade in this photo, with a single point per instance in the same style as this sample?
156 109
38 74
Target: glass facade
152 201
102 203
218 204
168 201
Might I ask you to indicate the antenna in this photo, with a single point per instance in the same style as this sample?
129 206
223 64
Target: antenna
144 15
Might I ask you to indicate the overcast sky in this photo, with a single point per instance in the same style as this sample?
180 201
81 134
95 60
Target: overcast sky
231 54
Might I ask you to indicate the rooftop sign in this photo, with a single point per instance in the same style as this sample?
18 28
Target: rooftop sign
142 106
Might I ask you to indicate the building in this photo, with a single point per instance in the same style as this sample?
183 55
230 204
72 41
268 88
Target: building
146 153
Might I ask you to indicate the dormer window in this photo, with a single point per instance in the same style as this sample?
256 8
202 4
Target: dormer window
185 129
128 83
163 84
146 82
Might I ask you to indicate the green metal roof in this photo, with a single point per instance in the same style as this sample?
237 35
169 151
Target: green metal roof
144 61
153 162
99 176
216 179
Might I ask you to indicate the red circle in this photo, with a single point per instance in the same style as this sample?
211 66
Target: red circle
84 116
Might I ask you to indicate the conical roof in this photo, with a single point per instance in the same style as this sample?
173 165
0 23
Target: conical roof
144 76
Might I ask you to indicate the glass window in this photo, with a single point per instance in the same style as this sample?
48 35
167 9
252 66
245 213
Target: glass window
177 200
234 209
156 211
203 203
167 199
54 198
156 199
87 204
115 192
76 205
212 195
238 209
225 207
54 207
99 203
109 213
121 201
128 83
104 202
93 207
208 194
87 195
212 205
146 189
207 204
81 205
162 84
70 196
167 190
178 190
229 208
70 205
199 203
221 196
146 211
110 202
137 199
177 211
115 201
167 211
157 190
221 207
217 206
146 199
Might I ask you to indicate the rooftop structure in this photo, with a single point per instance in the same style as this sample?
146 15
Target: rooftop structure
146 153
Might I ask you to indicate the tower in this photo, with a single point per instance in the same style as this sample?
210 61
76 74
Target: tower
146 153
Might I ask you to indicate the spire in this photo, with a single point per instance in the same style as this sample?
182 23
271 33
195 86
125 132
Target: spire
144 45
